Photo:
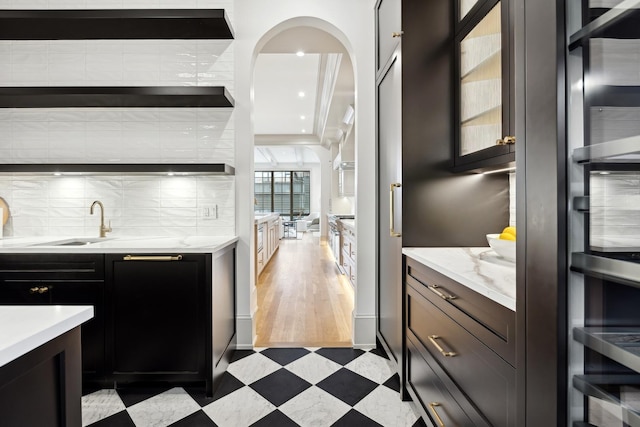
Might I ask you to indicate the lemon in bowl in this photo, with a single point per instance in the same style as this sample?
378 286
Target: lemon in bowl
504 244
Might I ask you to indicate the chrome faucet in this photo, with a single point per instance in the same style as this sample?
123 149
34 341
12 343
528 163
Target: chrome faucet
103 229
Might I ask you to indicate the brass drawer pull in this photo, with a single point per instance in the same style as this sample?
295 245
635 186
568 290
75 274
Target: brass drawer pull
396 34
432 407
152 258
507 140
39 290
434 289
433 339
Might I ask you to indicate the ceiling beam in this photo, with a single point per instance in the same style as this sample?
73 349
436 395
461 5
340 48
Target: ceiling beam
275 139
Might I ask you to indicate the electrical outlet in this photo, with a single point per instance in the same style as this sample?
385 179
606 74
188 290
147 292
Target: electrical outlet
209 212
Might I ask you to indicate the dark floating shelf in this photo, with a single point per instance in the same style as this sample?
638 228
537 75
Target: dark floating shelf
114 24
614 96
117 96
177 169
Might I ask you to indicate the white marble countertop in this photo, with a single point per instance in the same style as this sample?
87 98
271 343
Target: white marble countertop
260 218
479 269
23 328
117 244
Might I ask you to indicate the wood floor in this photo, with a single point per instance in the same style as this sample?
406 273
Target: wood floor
302 298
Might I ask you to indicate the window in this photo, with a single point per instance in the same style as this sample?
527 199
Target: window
286 192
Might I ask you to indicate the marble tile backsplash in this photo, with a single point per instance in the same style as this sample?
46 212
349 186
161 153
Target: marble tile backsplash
140 206
136 205
615 206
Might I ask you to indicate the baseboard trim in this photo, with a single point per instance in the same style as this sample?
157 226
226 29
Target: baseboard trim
364 331
244 332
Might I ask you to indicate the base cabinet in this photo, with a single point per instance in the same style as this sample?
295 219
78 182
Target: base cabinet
157 318
451 370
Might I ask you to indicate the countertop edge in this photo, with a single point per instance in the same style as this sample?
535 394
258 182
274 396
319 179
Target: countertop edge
504 300
72 317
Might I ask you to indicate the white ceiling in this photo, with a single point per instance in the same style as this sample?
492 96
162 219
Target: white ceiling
324 74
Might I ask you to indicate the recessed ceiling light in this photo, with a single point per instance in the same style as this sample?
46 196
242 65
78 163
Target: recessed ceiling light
301 94
300 53
302 117
57 173
170 173
304 131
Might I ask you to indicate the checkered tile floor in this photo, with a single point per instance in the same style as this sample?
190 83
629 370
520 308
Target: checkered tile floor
275 387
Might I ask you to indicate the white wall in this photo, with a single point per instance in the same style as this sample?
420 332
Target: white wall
48 205
352 22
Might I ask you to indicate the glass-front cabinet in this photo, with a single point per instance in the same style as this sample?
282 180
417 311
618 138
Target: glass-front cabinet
603 284
484 131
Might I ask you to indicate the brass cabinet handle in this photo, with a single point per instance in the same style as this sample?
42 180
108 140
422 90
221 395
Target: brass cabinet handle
432 407
434 289
507 140
392 214
396 34
152 258
39 290
433 339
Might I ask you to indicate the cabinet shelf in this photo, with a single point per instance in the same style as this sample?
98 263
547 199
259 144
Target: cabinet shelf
614 96
619 344
625 150
482 114
621 271
114 24
119 169
609 389
115 96
619 22
486 63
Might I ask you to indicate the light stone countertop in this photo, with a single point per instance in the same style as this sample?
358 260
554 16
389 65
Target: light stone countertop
479 269
350 223
24 328
117 244
260 218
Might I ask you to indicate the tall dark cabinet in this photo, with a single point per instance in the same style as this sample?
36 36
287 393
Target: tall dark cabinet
422 200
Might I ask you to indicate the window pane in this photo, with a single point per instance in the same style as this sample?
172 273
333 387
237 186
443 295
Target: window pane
286 192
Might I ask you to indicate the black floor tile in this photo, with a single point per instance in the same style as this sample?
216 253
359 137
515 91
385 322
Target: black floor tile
419 423
240 354
121 419
275 419
197 419
354 418
347 386
284 356
340 355
228 384
132 394
280 386
393 383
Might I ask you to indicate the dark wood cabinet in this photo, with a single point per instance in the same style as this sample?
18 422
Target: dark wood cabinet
157 316
484 87
65 279
456 352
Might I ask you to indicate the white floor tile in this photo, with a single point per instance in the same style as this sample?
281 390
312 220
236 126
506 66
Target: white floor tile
384 406
252 368
243 407
163 409
313 367
100 405
314 408
375 368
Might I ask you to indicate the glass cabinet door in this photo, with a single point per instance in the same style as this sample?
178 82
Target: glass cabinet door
603 92
483 87
464 7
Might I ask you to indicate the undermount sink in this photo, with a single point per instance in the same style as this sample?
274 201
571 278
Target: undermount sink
77 241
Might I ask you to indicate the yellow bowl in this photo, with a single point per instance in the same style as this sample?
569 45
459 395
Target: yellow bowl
505 248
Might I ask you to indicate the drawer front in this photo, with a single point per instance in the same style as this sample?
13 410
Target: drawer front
52 266
480 373
489 321
431 393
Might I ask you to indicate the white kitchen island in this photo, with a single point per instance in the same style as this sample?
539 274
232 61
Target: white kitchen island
40 365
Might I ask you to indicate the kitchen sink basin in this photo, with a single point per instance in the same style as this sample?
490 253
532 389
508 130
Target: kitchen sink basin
77 241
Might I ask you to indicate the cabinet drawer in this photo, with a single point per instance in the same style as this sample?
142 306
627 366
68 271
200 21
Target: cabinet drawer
490 322
431 394
487 380
52 266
